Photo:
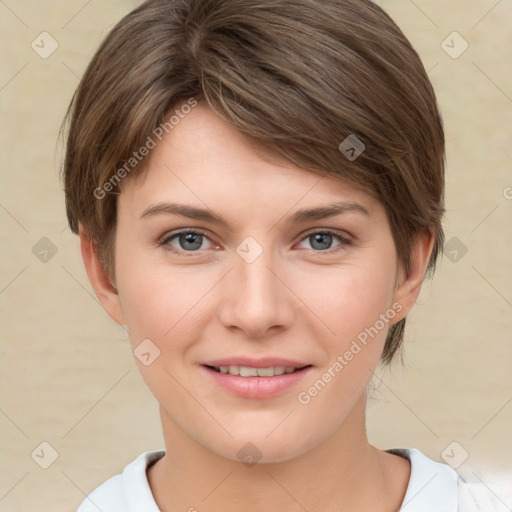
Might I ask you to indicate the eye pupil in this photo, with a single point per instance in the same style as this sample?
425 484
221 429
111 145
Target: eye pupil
190 238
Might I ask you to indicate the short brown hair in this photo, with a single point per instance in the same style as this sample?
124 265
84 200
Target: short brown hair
297 76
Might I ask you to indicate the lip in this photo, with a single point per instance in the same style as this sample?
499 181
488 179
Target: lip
255 387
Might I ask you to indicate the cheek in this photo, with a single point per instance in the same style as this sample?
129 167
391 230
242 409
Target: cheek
151 303
358 311
352 299
162 305
157 305
169 305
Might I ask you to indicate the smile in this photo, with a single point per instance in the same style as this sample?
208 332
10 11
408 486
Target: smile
248 371
255 381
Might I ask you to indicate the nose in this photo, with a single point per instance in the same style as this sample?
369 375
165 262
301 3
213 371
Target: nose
258 301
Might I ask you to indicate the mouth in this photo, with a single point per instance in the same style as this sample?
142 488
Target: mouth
255 379
250 371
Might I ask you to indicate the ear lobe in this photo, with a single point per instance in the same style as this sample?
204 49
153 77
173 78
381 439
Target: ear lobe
408 287
100 281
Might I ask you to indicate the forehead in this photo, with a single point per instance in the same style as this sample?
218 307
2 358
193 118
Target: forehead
205 161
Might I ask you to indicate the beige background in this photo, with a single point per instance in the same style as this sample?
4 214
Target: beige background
68 377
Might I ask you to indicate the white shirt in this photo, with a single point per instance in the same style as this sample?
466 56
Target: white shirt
433 487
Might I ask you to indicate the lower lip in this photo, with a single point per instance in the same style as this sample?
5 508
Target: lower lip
256 387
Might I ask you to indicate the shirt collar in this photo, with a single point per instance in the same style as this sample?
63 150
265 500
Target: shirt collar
432 485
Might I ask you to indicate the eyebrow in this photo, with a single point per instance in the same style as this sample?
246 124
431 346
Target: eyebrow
300 216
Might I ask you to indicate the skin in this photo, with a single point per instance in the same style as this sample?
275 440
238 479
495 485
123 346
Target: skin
294 301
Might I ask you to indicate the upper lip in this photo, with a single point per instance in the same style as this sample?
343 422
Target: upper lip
264 362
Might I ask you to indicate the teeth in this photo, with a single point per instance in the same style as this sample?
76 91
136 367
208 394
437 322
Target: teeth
247 371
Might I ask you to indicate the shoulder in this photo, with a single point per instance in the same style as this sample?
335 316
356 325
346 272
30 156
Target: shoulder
109 494
126 491
436 486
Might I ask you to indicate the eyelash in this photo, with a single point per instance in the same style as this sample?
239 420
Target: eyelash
164 242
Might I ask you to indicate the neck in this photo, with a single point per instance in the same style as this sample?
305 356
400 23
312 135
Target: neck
343 473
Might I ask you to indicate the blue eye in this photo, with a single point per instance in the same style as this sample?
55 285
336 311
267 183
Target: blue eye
188 241
321 241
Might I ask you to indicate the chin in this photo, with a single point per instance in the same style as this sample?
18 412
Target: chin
257 447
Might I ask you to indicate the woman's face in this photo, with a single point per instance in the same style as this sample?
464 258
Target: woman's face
263 324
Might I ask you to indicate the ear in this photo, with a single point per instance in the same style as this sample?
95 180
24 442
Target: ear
408 287
100 281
